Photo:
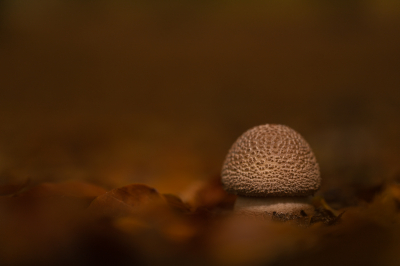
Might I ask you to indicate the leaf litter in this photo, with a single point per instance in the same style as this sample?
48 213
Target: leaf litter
79 222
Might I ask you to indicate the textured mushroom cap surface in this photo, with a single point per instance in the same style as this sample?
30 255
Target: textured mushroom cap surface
271 160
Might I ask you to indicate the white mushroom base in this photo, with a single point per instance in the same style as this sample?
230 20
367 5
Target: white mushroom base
282 208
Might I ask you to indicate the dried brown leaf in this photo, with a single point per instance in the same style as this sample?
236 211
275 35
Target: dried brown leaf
211 195
125 201
176 203
69 189
325 216
324 213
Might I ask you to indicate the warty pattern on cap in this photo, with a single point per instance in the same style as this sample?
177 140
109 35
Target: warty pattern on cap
271 160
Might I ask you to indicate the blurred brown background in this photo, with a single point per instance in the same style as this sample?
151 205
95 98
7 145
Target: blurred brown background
155 92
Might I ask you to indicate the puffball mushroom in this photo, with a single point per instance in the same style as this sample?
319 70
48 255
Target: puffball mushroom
273 171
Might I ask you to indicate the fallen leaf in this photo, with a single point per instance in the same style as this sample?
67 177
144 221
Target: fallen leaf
324 213
210 195
325 216
78 190
125 201
176 203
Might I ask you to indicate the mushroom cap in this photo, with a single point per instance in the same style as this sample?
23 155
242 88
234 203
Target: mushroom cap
271 160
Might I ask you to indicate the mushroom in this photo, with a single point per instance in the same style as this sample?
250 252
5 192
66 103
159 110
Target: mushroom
273 171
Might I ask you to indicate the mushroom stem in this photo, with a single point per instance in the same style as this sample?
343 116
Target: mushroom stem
281 206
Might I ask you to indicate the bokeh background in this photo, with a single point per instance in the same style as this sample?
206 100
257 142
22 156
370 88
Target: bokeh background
155 92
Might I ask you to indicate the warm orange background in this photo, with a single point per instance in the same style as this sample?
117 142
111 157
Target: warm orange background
155 92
